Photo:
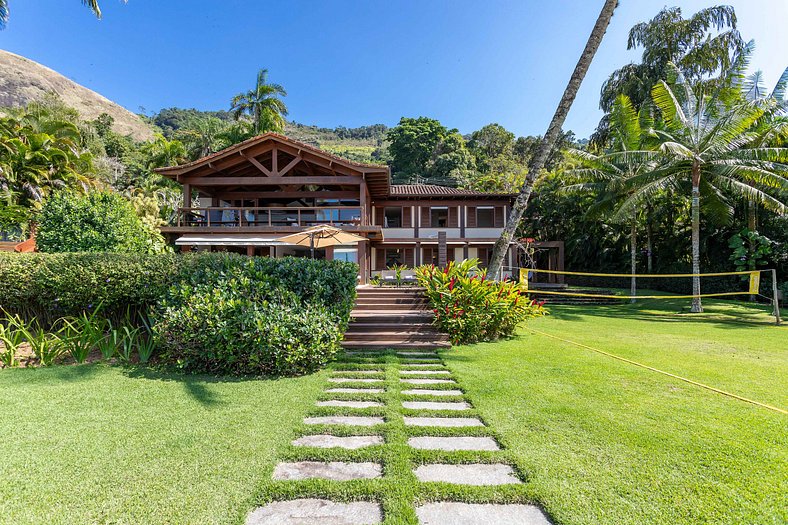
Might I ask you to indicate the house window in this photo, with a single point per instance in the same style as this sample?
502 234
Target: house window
439 217
393 217
485 217
346 254
394 257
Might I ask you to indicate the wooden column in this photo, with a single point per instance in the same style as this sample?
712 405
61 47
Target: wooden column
363 262
329 253
442 249
363 202
187 195
250 251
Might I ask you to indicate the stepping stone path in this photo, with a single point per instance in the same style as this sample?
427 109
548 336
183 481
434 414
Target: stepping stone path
446 435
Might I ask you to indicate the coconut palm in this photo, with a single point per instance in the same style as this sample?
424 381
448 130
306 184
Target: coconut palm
4 12
553 131
263 104
715 149
609 175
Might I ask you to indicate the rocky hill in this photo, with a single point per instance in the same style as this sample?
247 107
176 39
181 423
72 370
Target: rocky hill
23 80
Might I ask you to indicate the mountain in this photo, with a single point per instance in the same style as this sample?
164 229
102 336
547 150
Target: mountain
23 80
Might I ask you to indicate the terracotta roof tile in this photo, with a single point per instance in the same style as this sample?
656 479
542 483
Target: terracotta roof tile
433 190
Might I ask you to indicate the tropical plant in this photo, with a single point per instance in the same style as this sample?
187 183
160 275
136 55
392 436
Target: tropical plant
12 338
471 308
716 150
609 175
749 250
4 11
553 133
263 104
47 347
109 344
82 334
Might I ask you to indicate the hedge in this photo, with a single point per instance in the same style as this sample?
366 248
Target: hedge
217 313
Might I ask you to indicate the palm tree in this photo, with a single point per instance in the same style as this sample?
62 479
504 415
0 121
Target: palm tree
715 148
4 12
263 104
609 175
553 131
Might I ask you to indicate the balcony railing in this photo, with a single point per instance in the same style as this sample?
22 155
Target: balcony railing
248 216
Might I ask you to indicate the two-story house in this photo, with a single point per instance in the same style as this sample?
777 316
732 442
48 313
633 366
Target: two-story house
246 197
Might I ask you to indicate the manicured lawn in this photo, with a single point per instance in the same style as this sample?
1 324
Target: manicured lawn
97 444
602 441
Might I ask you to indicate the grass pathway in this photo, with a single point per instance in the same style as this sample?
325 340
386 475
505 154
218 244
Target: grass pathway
393 439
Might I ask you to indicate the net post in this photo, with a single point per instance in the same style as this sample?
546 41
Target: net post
775 293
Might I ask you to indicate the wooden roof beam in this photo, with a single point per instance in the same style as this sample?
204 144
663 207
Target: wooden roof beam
256 163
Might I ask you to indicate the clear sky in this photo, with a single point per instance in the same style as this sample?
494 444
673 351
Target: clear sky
466 63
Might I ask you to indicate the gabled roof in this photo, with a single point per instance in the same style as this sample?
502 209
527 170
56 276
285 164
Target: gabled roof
377 176
433 190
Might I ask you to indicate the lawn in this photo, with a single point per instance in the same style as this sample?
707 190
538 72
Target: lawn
99 444
603 441
596 440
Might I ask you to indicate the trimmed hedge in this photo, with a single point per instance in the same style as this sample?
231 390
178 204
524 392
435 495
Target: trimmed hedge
210 312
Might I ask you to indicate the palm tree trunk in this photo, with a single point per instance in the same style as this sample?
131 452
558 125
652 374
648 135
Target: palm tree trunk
633 253
649 242
697 307
545 145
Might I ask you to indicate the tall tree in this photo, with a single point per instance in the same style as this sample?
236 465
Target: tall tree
700 46
412 144
553 131
716 150
263 104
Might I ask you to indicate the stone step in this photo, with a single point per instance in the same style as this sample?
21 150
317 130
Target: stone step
453 443
448 422
427 392
355 421
435 405
348 404
360 327
395 336
355 390
391 299
376 306
334 470
418 381
316 512
424 372
385 316
390 289
454 513
346 442
471 474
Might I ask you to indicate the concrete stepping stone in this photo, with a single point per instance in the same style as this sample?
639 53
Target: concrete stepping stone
348 404
346 442
435 405
427 381
353 380
431 355
356 421
473 474
443 422
316 512
427 392
422 365
335 470
358 371
424 372
342 390
453 443
453 513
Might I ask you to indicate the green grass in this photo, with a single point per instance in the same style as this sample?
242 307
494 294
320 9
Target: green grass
97 444
596 440
603 441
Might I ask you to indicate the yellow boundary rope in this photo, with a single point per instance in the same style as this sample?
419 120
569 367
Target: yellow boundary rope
640 275
538 291
674 376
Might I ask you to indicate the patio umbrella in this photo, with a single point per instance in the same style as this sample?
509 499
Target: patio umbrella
321 237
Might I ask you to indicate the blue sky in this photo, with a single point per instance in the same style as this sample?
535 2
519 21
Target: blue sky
466 63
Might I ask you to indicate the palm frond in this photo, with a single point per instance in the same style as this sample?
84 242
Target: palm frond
672 112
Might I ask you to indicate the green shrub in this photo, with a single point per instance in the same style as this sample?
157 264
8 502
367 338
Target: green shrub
471 308
95 222
240 316
51 286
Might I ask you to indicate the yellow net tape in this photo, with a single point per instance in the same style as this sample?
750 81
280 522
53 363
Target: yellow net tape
755 279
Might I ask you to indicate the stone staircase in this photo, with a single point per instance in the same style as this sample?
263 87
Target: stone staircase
392 318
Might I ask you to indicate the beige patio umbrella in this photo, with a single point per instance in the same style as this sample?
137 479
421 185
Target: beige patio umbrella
321 237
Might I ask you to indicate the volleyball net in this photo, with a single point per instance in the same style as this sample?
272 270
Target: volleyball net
619 286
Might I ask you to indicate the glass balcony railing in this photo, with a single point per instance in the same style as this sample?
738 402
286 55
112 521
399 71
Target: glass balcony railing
239 217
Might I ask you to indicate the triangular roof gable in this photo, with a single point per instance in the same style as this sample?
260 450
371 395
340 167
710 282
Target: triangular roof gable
255 156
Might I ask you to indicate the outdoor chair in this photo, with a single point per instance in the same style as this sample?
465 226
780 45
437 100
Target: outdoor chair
407 277
388 276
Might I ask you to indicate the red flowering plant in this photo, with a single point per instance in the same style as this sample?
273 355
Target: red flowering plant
472 308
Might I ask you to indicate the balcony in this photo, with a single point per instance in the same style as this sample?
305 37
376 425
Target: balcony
271 217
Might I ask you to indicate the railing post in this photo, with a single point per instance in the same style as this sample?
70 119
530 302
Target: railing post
208 213
776 294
